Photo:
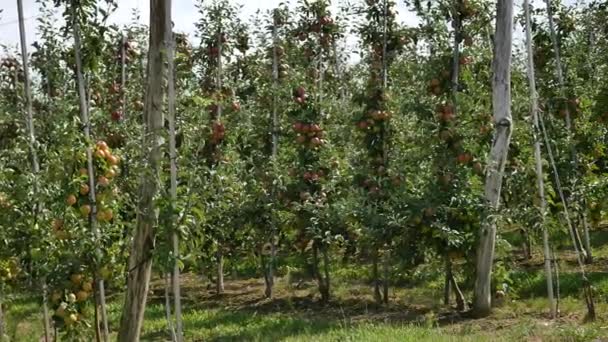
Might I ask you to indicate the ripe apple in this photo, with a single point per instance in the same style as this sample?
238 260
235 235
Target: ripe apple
60 312
71 298
304 195
87 286
445 179
83 172
102 145
56 297
396 181
76 279
465 60
435 82
464 158
111 173
115 88
71 319
85 210
101 154
300 92
116 115
113 160
362 125
84 189
326 20
103 181
300 139
108 214
100 216
429 212
447 116
315 142
81 296
468 41
478 168
57 224
307 175
70 200
214 51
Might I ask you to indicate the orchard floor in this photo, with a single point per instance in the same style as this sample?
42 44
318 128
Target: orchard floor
413 314
296 315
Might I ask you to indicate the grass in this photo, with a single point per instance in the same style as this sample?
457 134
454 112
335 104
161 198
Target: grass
296 315
415 312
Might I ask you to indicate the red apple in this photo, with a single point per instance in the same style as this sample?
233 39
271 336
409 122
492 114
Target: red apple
117 115
236 106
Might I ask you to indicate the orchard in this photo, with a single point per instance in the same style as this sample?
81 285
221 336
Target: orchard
323 170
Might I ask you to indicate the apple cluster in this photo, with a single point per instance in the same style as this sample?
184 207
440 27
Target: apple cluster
107 167
69 302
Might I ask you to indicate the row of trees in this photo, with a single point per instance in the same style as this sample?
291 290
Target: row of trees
262 143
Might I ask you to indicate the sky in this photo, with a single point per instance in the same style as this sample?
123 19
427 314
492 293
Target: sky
185 15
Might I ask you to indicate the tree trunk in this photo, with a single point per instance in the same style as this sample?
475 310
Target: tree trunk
269 277
461 303
2 325
447 285
376 277
326 283
168 316
501 100
219 281
46 322
457 24
28 97
385 276
556 269
587 238
268 285
170 42
123 74
96 315
84 118
539 165
525 244
321 281
140 259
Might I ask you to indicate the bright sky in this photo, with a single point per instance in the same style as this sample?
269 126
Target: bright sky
185 15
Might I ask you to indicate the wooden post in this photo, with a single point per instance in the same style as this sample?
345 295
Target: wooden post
538 158
585 248
140 258
34 158
501 100
170 43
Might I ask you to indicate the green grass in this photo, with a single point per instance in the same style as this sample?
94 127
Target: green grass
415 312
415 315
